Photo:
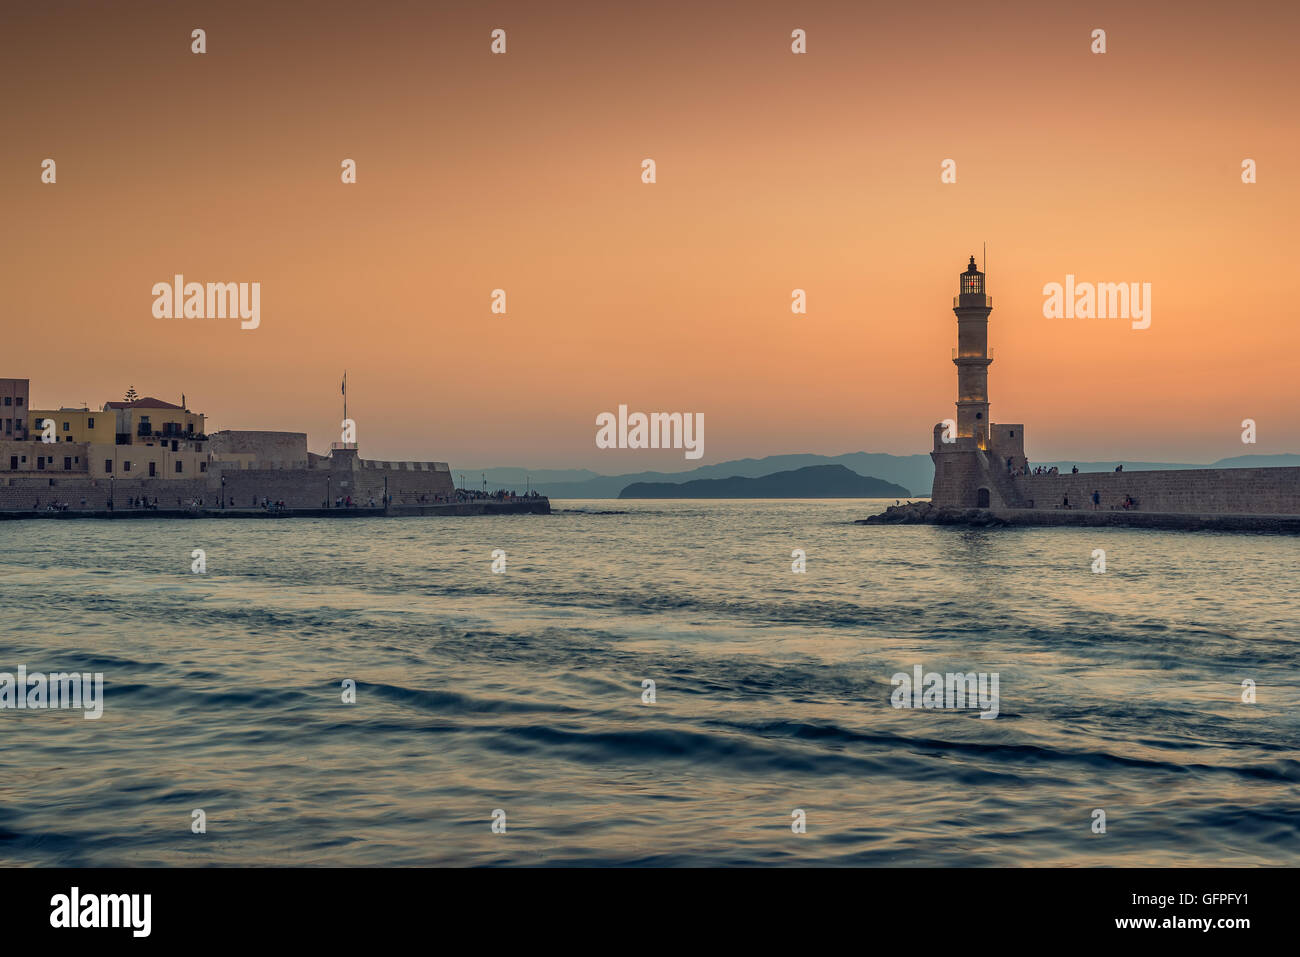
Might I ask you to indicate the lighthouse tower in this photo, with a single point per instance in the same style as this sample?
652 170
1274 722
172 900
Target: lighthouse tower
972 307
975 464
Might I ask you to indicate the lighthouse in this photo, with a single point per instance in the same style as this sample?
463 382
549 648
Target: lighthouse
972 308
975 462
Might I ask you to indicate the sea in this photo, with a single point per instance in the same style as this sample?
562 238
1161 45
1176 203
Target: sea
649 683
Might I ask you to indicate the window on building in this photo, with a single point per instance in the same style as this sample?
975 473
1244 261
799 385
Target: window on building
153 469
68 439
126 466
67 463
203 466
179 465
108 465
9 400
40 462
13 463
65 426
90 422
17 401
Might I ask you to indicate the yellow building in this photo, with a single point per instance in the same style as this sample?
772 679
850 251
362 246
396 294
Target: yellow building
147 438
72 425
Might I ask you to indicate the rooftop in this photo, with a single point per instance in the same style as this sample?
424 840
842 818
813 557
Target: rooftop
148 402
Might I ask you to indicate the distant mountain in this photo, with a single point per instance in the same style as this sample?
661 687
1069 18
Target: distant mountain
815 481
1129 466
1258 461
914 472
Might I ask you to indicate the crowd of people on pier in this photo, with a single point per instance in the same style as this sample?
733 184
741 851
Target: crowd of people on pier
500 495
1017 470
475 495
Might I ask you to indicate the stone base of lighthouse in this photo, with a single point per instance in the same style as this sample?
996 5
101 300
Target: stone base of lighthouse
967 475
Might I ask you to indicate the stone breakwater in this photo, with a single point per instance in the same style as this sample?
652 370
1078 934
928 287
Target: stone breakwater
926 513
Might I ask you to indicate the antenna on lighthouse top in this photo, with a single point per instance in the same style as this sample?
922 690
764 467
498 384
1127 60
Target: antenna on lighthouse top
986 264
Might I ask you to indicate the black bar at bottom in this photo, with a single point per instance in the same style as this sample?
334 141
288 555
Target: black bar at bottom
645 908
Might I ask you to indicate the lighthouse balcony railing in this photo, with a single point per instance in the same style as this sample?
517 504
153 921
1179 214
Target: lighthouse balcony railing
972 355
972 299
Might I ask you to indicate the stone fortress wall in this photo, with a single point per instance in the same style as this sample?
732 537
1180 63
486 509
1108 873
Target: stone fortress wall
330 479
247 448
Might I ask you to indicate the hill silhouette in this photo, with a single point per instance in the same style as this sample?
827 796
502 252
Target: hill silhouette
814 481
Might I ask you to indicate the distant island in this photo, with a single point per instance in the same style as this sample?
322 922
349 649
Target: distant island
815 481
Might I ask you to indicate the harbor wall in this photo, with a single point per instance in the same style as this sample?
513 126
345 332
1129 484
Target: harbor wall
1259 491
968 477
408 483
28 491
523 506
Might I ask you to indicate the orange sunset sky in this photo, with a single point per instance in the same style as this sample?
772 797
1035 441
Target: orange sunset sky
775 171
